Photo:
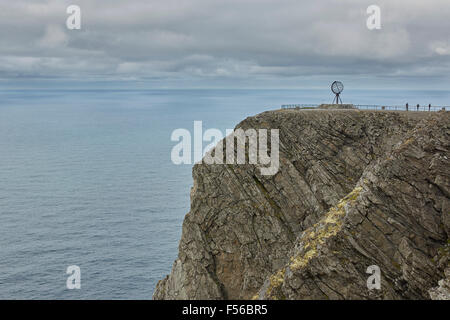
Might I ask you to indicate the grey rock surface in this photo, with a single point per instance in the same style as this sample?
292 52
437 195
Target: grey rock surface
354 189
442 291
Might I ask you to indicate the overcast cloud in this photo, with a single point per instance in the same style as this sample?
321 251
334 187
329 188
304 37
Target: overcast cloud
227 43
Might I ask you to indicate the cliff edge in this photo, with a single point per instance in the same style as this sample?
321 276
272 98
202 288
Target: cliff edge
354 189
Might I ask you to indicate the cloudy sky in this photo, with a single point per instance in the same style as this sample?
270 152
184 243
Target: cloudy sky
226 43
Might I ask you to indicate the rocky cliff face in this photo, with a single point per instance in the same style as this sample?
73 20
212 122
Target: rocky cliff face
354 189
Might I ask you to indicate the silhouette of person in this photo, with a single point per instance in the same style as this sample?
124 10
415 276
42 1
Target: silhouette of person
429 107
417 107
406 106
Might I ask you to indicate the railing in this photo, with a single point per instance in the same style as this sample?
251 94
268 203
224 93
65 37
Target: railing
401 108
372 107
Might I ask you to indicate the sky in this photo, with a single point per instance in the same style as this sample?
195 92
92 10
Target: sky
225 44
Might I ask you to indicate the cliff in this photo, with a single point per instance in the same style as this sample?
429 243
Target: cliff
354 189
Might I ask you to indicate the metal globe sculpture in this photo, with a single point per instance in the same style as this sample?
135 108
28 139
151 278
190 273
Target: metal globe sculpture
337 87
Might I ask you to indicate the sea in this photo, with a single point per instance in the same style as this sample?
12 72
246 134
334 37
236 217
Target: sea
86 179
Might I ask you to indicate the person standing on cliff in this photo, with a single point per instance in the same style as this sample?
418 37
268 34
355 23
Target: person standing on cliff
429 107
417 107
407 106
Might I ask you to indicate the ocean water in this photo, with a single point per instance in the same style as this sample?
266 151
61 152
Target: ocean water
86 179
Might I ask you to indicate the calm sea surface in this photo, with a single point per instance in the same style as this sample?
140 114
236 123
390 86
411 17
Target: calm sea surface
86 179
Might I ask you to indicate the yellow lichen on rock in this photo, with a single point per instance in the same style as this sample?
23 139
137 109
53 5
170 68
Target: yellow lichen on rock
301 261
327 227
276 280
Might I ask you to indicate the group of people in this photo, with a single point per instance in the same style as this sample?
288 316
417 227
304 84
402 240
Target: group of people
429 107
